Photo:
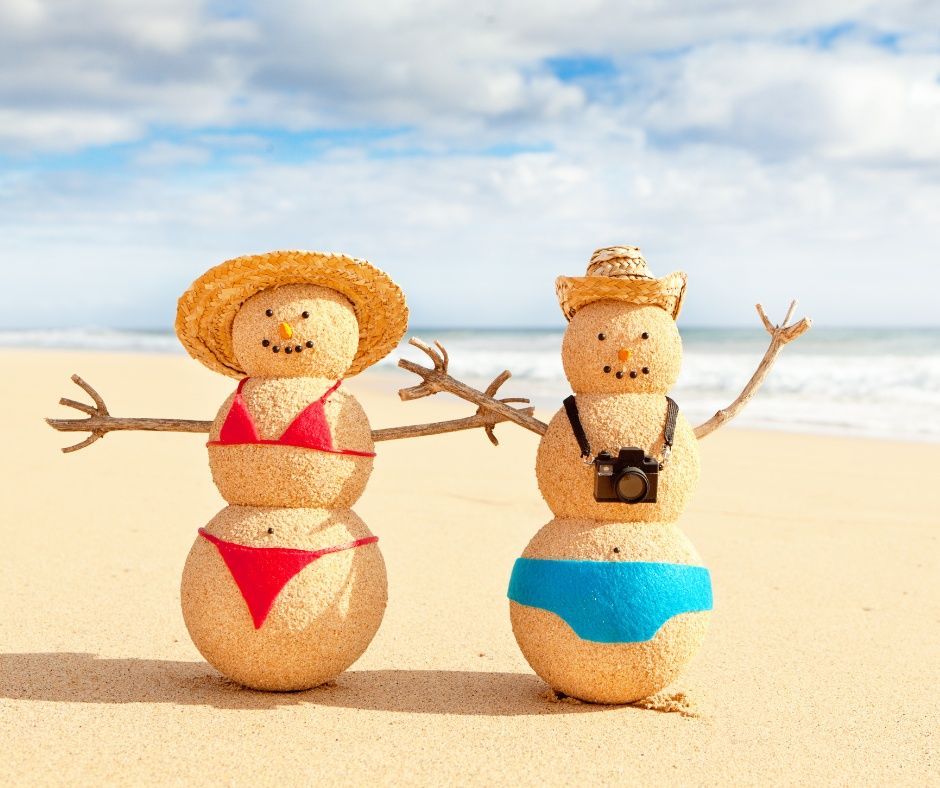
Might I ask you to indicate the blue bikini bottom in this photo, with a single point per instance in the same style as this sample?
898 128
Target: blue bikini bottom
611 601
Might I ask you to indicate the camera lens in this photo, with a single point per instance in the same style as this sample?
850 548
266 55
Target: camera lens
632 485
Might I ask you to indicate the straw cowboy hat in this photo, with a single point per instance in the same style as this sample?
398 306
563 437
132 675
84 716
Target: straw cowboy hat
620 273
207 309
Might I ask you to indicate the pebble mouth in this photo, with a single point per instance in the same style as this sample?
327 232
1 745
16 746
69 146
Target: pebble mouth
288 349
633 373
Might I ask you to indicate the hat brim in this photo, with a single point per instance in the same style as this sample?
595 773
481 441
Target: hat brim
206 311
575 292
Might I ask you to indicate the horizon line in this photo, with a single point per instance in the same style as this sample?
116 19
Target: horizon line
497 329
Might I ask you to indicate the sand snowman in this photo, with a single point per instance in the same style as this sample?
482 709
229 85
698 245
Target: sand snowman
610 600
285 587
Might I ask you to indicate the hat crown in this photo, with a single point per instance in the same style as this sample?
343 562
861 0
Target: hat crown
619 262
620 273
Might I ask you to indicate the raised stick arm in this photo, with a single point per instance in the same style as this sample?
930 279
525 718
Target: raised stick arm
780 335
437 379
99 422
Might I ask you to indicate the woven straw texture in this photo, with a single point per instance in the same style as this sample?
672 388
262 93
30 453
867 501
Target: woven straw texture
620 273
206 310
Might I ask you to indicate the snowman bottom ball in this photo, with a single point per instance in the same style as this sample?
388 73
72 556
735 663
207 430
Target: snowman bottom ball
283 599
608 612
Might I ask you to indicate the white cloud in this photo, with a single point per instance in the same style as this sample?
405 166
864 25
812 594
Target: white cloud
765 166
445 65
18 16
25 131
850 102
479 239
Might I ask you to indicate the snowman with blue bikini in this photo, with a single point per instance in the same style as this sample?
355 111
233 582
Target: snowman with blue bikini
610 600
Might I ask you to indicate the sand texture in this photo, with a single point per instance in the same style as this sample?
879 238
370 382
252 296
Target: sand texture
820 665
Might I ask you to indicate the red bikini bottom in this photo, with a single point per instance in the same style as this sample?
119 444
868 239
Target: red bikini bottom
261 572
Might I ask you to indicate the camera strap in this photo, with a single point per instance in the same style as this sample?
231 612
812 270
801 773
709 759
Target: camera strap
571 408
669 429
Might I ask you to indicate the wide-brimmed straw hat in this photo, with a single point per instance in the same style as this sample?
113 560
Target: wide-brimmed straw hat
620 273
207 309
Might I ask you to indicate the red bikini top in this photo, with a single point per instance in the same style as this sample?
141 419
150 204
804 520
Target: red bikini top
309 430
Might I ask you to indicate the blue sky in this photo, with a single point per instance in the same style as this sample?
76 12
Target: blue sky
475 153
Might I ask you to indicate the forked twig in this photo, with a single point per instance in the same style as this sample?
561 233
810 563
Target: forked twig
780 335
431 384
100 422
437 379
99 411
493 418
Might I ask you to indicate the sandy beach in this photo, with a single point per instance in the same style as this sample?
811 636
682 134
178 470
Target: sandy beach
821 665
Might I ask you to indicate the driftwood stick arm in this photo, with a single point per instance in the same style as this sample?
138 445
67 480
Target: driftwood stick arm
117 424
780 335
437 379
487 421
100 422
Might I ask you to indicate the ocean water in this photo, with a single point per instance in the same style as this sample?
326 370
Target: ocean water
876 382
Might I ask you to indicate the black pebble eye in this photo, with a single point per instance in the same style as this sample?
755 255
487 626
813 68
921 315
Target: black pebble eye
265 342
602 337
305 314
269 312
646 370
645 335
606 369
309 343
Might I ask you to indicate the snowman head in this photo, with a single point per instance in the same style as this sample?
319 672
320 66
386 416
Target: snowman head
296 330
613 347
338 293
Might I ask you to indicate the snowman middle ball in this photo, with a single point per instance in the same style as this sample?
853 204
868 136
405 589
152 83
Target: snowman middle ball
618 411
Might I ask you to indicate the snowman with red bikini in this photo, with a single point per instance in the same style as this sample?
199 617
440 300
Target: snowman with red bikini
285 587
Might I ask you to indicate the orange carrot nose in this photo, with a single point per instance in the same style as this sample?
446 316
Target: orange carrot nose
624 354
285 331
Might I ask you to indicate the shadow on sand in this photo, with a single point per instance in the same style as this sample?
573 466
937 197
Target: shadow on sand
84 678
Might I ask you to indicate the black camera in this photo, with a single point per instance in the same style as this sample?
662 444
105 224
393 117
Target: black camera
630 477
